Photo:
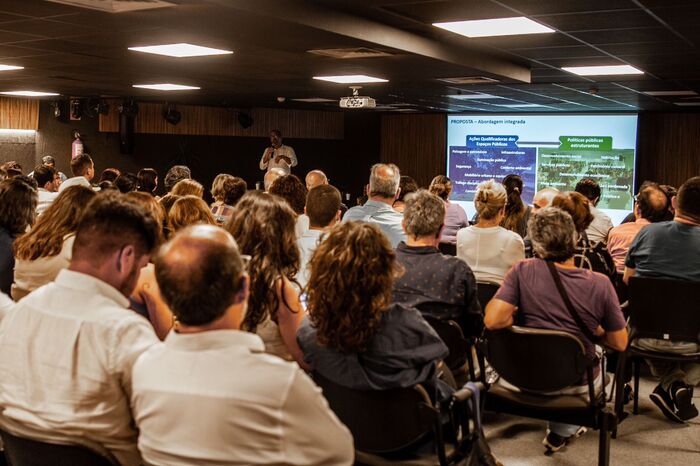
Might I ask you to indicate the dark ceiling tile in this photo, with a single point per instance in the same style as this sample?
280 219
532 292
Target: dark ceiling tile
617 36
599 20
8 37
545 53
540 7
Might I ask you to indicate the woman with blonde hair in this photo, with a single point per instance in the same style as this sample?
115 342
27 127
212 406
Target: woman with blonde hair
47 249
488 248
189 210
188 187
455 216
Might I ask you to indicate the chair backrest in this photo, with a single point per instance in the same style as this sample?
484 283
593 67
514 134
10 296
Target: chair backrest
535 359
449 249
21 451
451 334
485 291
381 421
664 309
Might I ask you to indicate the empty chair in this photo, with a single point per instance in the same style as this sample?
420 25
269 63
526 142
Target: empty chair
21 451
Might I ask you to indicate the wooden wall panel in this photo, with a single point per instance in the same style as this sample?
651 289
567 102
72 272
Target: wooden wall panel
416 143
217 121
19 113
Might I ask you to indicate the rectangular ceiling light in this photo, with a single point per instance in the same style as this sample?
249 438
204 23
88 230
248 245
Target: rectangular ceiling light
670 93
166 87
477 96
29 93
181 50
602 70
688 104
495 27
520 105
351 79
10 67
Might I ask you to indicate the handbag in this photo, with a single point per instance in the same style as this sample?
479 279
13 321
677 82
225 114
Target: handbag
480 453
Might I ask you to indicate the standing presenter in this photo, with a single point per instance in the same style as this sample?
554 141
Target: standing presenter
278 155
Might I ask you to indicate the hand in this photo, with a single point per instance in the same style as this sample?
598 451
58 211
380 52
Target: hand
268 154
283 157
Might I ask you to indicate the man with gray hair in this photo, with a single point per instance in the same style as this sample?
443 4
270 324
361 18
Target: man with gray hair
439 286
543 198
383 190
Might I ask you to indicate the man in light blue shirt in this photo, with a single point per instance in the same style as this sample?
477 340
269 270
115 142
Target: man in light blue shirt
383 191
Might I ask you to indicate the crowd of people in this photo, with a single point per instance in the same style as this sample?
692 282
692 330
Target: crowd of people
171 331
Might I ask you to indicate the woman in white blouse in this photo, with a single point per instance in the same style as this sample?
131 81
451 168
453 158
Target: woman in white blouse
489 249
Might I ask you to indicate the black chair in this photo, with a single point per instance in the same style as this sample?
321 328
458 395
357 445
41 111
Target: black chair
660 309
545 361
486 291
460 360
22 451
449 249
386 423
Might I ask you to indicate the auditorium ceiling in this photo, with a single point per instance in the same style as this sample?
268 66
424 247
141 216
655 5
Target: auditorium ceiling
280 45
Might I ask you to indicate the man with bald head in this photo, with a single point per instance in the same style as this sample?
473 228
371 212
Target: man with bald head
543 198
271 175
383 191
210 394
315 178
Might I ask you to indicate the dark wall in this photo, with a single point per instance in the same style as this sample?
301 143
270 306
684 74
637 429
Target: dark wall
346 162
19 147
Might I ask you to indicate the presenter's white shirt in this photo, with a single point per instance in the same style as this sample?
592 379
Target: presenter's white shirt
272 163
489 252
215 398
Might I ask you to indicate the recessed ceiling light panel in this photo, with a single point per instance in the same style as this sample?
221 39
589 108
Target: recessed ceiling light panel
29 93
477 96
351 79
520 105
495 27
602 70
10 67
181 50
670 93
166 87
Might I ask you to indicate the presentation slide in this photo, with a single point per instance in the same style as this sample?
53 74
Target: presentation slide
546 151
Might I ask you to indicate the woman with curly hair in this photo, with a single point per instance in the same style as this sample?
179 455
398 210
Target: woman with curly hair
47 249
291 189
263 227
354 335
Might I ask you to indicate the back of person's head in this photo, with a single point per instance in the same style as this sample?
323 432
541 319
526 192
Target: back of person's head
59 220
408 186
189 210
652 204
349 289
490 199
271 176
110 174
589 188
148 202
147 180
322 205
176 174
544 197
126 182
107 186
441 186
44 174
12 167
424 214
315 178
217 186
553 234
111 222
384 180
188 187
670 192
514 206
18 201
577 206
228 189
29 180
688 199
82 165
291 189
200 274
263 227
48 160
167 202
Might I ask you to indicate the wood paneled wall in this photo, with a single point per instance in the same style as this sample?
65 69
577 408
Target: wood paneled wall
19 113
217 121
416 143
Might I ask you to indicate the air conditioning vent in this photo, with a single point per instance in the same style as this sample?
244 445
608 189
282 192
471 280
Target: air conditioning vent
357 52
469 80
117 6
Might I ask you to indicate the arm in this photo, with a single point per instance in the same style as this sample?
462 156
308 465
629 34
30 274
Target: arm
289 317
148 293
293 157
265 159
499 314
629 273
616 340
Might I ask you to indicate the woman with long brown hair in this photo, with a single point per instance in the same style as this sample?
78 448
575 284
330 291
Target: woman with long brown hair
517 212
263 227
45 250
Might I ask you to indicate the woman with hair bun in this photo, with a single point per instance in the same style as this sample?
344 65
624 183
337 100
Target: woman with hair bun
517 212
455 216
488 248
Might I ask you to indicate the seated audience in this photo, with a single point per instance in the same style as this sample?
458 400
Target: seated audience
543 198
383 191
49 161
271 175
147 181
407 185
227 190
189 210
110 174
455 216
107 186
439 286
598 230
517 212
291 189
83 170
489 249
188 187
68 348
263 227
323 210
671 250
317 177
176 174
17 213
12 168
670 192
530 289
48 181
354 335
265 411
126 182
650 207
46 249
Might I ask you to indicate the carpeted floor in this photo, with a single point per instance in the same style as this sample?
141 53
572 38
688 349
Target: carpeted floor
646 439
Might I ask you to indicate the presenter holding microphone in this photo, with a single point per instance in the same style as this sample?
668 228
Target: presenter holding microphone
278 155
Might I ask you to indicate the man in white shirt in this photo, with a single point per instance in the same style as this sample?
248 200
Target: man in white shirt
278 155
210 395
383 191
68 348
598 230
323 210
83 170
48 181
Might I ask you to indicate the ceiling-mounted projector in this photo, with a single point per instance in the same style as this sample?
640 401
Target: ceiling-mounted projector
356 100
